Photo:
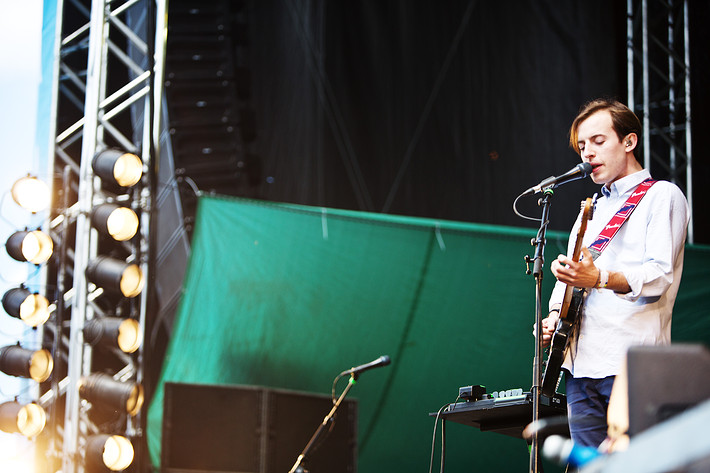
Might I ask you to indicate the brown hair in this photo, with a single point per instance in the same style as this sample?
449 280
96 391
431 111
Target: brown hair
623 120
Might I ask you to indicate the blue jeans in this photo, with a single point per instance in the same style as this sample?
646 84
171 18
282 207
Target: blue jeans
587 402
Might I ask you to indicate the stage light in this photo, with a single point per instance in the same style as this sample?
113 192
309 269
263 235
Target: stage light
103 389
28 420
32 309
34 247
116 275
108 451
122 333
118 167
120 223
31 194
18 361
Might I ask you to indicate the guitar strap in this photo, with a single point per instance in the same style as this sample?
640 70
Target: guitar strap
612 228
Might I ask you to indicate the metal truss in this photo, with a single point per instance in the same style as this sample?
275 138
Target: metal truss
659 88
106 80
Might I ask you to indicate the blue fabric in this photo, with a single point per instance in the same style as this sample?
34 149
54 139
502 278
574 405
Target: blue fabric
587 403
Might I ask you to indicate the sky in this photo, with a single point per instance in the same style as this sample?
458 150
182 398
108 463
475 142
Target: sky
20 43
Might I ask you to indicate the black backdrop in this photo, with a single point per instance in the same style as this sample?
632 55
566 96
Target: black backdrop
436 109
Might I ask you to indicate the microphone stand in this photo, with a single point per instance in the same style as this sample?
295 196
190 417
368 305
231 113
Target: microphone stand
538 261
297 468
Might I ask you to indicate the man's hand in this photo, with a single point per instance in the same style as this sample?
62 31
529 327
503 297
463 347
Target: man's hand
576 273
549 324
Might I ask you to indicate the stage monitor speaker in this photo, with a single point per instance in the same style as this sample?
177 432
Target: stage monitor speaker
248 429
664 381
677 445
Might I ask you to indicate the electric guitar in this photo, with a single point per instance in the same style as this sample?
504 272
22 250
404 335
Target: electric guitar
570 314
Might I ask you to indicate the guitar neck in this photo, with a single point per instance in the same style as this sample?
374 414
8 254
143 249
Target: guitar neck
569 290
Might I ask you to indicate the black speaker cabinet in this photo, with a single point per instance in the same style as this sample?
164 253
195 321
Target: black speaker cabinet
248 429
664 381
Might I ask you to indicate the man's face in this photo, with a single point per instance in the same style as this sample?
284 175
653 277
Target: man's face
600 146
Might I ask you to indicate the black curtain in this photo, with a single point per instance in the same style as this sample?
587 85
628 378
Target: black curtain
435 109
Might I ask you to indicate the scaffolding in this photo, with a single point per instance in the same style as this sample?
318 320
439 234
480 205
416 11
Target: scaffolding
658 60
105 109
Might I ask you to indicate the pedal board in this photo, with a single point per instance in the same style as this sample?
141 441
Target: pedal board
506 412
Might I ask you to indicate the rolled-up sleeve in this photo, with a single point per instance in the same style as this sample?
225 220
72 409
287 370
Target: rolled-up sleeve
663 244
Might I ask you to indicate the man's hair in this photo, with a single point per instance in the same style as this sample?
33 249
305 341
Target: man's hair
623 120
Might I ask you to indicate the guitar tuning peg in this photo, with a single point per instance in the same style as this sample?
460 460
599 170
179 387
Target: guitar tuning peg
594 206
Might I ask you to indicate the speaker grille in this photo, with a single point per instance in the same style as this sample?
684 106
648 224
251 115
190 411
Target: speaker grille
248 429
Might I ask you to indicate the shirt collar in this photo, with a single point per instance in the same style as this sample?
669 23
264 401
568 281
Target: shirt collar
626 184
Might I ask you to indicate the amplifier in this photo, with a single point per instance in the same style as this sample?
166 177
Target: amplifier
252 429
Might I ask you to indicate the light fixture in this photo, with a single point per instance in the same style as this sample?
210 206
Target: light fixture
28 420
108 451
31 246
118 167
103 389
32 309
18 361
115 331
120 223
31 194
116 275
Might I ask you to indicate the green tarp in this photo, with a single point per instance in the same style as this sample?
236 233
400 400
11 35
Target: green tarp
289 296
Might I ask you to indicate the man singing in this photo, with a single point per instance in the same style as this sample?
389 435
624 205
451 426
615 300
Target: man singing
632 284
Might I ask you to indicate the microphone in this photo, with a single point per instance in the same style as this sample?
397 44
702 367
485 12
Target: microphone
563 451
384 360
580 171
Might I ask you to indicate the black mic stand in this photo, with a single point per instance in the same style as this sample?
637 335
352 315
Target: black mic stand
297 468
538 261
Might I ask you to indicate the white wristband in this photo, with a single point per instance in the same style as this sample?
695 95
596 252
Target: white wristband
603 279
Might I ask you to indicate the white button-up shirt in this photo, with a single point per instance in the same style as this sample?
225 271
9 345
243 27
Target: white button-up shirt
648 250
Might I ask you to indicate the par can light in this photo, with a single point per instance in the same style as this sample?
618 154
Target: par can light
108 451
114 331
32 309
118 167
102 389
31 194
34 247
18 361
116 275
28 420
120 223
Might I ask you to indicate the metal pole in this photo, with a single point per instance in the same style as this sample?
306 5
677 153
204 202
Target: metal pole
646 98
688 124
671 92
161 39
83 247
630 53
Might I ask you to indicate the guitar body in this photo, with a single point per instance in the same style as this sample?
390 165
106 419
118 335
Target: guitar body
570 313
565 331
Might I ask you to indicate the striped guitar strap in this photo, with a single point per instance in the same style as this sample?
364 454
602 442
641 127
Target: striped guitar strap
612 228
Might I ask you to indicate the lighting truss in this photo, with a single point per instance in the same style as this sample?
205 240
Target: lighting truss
658 79
107 83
